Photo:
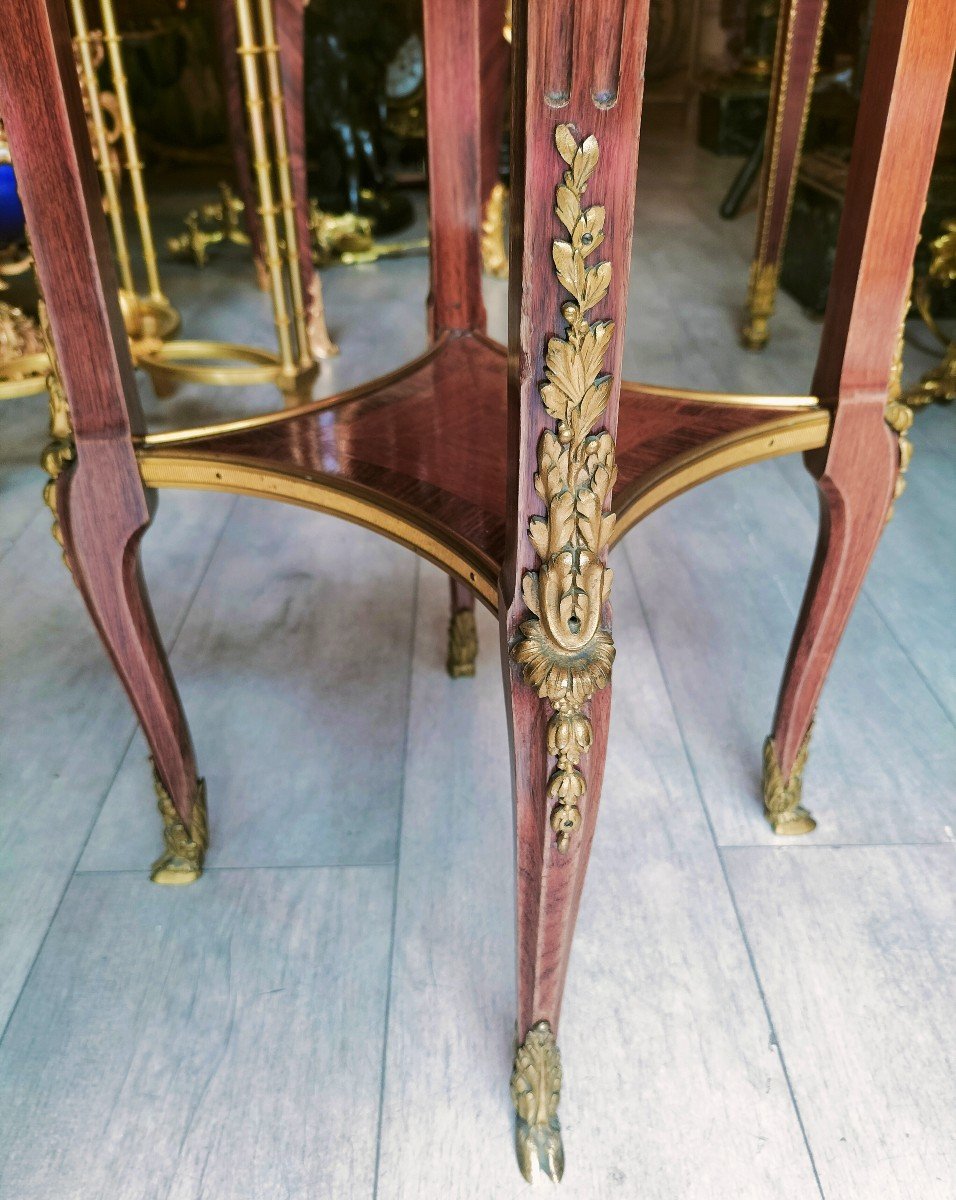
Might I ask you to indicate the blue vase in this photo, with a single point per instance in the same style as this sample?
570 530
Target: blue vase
12 223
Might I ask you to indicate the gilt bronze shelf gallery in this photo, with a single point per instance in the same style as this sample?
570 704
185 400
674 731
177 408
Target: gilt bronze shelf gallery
502 467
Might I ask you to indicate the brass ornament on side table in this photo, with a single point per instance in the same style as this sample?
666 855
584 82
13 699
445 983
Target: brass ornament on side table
182 860
462 644
61 451
494 251
782 797
898 414
565 652
761 296
536 1094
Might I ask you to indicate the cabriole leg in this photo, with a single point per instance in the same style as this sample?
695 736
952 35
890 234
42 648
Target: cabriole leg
909 65
96 493
576 110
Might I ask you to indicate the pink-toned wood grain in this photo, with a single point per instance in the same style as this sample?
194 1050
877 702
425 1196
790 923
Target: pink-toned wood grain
453 95
908 72
559 78
102 507
495 75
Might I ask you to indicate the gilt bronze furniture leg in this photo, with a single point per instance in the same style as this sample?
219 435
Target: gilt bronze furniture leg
577 94
97 495
908 71
799 27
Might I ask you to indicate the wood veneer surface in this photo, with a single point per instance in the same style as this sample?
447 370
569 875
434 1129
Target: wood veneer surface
433 438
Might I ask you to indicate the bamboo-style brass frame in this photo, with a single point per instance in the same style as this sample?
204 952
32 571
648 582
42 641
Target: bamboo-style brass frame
294 367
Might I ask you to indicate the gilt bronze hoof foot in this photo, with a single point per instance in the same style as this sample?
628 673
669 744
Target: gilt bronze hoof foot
182 860
462 644
781 798
536 1092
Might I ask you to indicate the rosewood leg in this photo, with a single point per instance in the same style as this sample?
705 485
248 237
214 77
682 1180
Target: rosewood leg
97 495
576 109
462 632
495 70
455 304
799 27
101 529
907 75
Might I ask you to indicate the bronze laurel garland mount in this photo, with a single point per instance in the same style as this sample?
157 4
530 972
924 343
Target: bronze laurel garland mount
564 651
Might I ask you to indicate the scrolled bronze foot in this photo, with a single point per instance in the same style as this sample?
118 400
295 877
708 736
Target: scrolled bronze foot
536 1092
782 798
462 644
182 860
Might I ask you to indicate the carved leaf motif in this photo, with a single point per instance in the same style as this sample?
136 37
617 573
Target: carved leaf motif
567 146
596 283
565 653
584 163
567 208
588 231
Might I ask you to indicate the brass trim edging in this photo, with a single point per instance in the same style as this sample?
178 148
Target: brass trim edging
408 527
799 431
724 399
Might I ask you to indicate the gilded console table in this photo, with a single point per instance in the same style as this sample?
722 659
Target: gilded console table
498 465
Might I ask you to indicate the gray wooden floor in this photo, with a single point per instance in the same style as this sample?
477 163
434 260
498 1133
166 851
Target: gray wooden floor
328 1013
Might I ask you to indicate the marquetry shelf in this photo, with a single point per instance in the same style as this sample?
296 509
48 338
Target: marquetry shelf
420 455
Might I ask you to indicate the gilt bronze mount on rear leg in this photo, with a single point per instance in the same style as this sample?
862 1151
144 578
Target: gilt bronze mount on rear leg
182 860
782 797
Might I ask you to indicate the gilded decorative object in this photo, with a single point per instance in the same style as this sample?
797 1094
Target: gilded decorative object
898 414
565 652
347 238
462 644
939 384
536 1093
212 224
761 295
182 860
494 252
149 318
23 360
782 797
61 451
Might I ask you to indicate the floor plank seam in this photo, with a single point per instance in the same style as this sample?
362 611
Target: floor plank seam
121 759
775 1041
385 864
413 637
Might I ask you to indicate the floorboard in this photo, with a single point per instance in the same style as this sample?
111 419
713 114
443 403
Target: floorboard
221 1041
856 948
65 722
663 1027
294 677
